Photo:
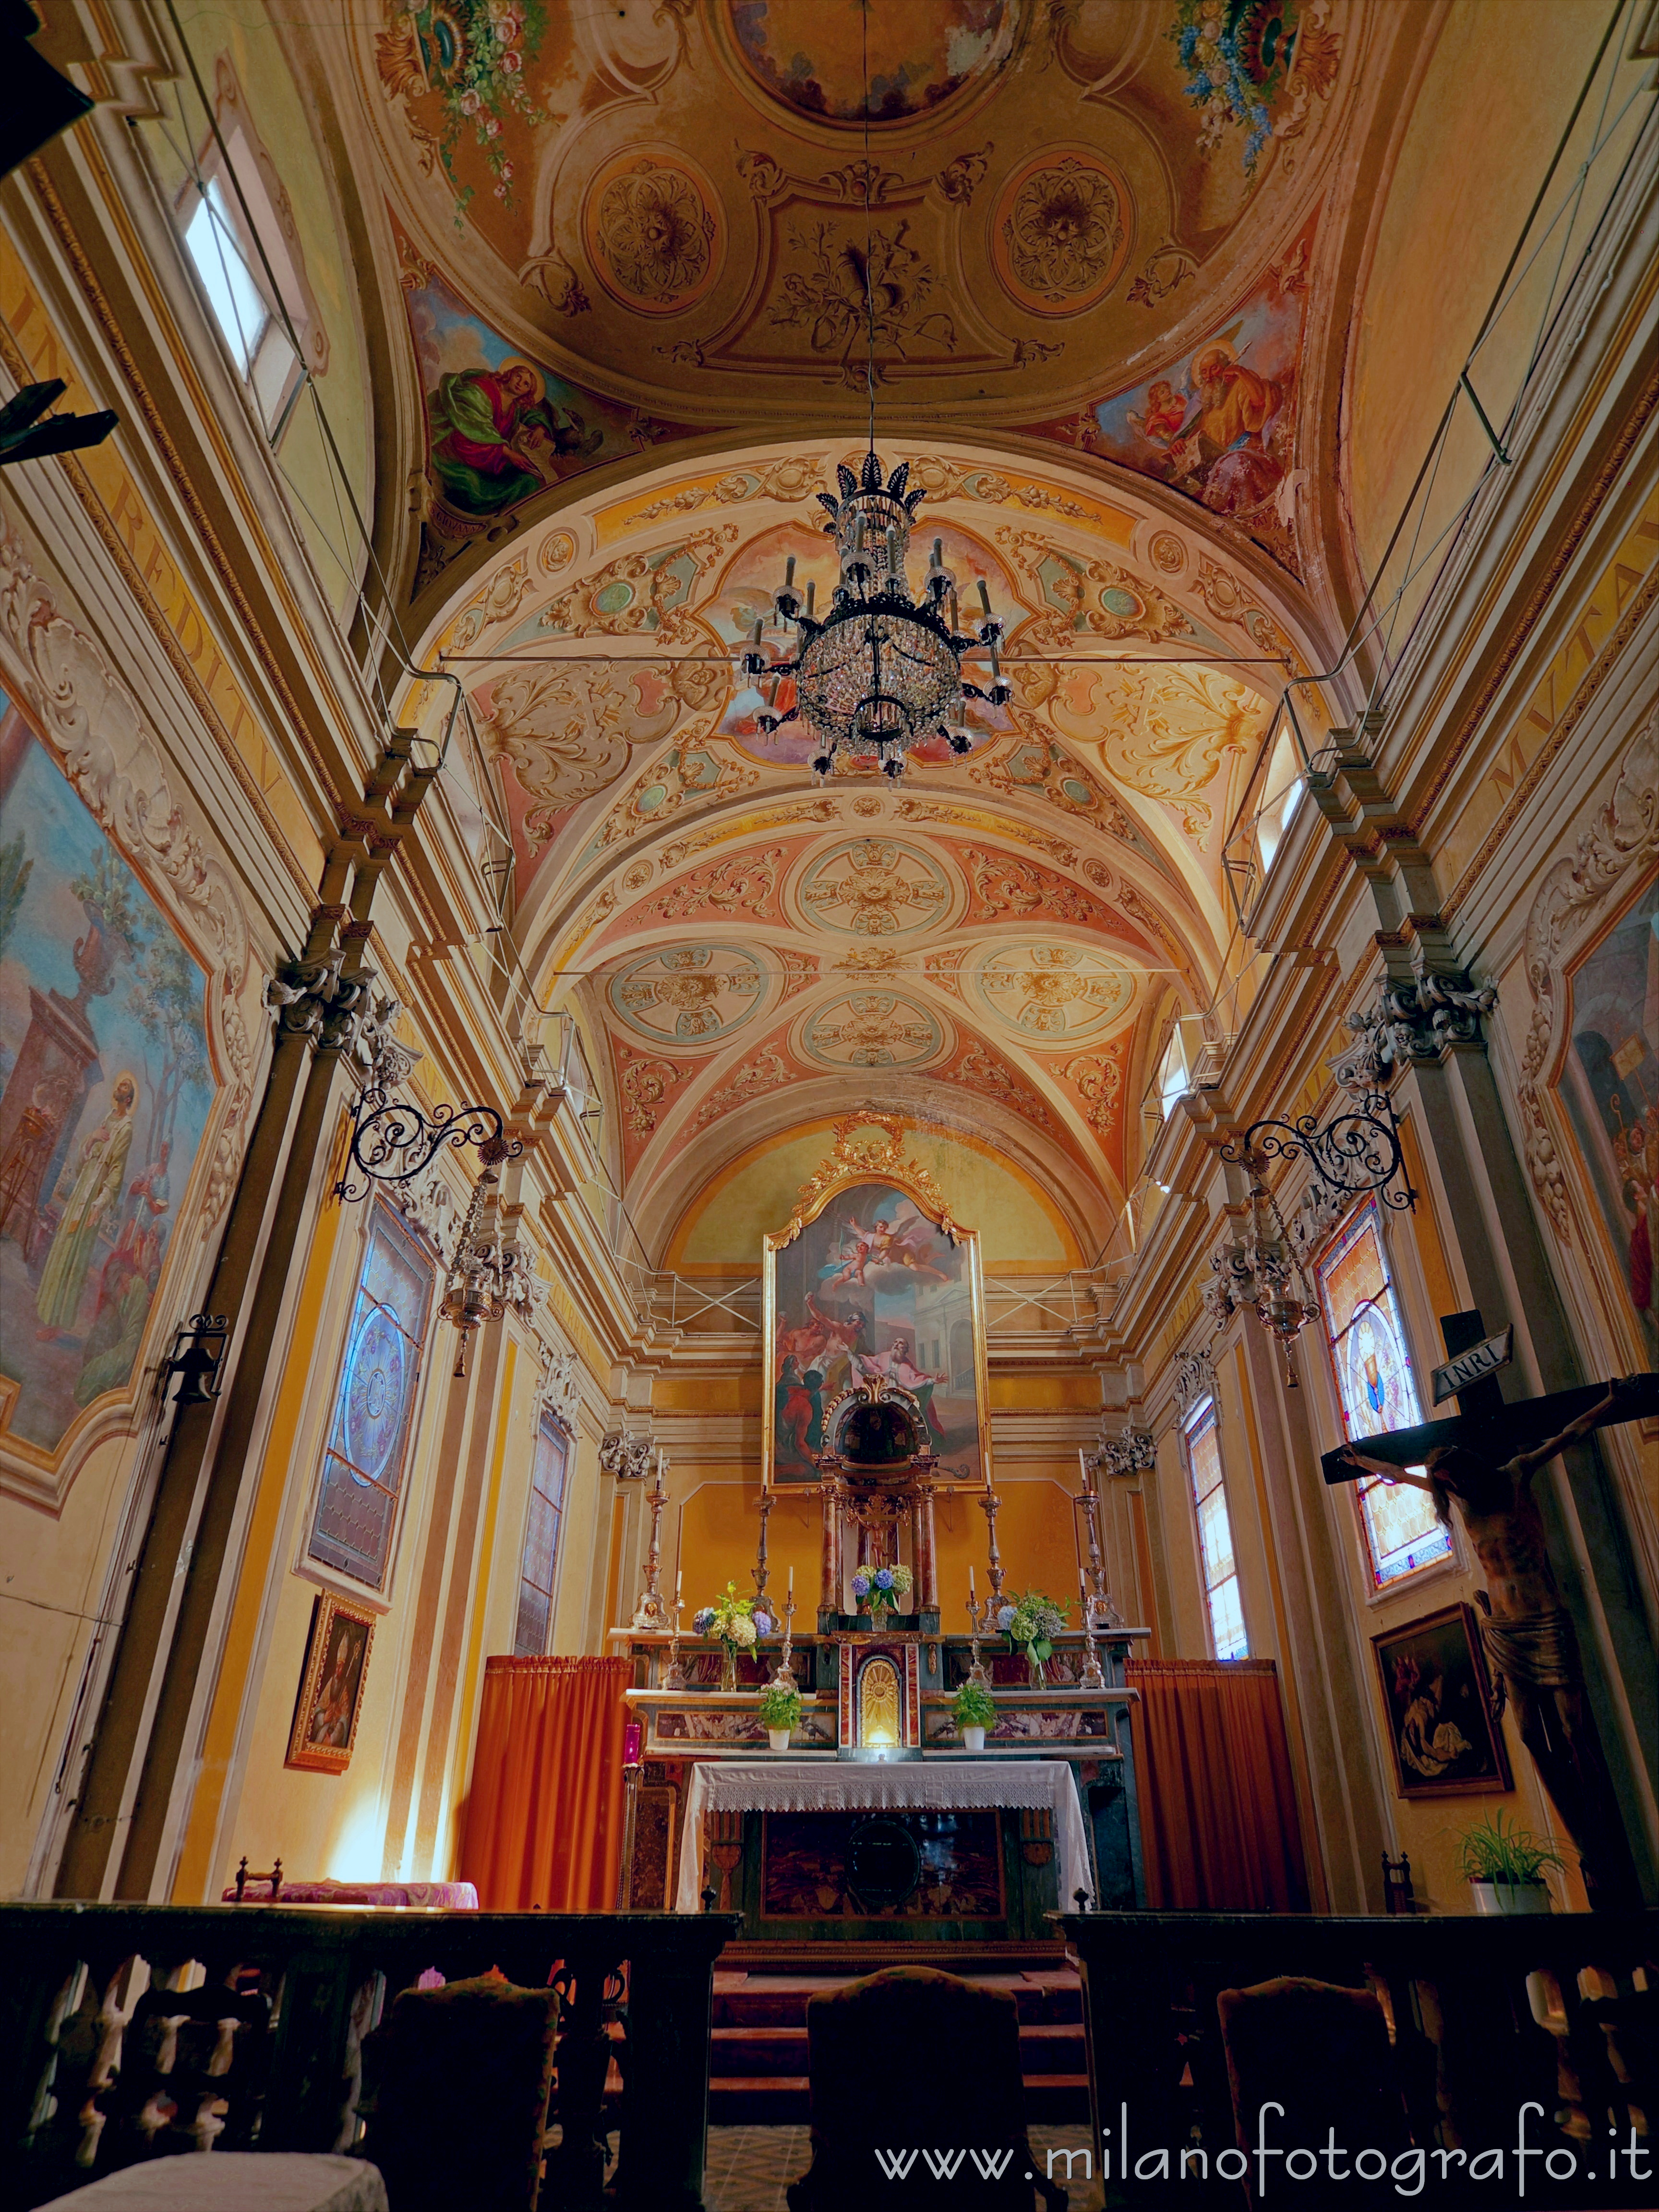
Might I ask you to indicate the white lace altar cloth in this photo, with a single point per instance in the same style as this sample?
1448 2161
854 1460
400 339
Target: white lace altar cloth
933 1785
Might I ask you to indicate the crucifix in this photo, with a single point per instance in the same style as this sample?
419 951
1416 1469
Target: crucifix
1485 1459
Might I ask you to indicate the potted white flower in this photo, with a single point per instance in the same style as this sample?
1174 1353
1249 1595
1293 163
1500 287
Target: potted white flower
1503 1867
780 1712
975 1711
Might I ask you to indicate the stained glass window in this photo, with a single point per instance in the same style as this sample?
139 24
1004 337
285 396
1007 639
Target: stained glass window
1372 1366
539 1568
363 1465
1215 1534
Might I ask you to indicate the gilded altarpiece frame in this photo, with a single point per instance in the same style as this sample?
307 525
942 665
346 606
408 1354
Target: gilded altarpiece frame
871 1277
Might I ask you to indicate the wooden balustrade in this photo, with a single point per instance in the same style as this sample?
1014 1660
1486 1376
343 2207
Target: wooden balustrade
1485 2016
128 2032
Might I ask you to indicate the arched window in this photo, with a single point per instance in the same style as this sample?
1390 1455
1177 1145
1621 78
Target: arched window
1281 795
538 1569
1217 1560
1370 1361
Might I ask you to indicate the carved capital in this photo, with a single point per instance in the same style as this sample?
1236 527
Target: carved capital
1194 1378
625 1455
1416 1020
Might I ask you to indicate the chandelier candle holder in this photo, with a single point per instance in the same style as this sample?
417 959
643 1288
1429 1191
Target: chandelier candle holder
882 674
652 1611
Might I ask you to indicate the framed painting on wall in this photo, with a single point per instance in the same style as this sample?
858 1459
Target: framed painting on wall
873 1280
1438 1696
332 1687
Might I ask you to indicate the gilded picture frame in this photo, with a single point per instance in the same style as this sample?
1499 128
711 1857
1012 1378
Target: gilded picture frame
871 1277
330 1699
1438 1696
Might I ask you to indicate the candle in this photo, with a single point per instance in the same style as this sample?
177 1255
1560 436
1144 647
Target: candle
679 1579
972 1593
791 1582
633 1743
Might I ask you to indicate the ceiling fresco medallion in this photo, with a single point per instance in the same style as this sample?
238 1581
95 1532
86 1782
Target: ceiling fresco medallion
1053 991
872 1028
811 58
650 231
1061 232
875 887
690 993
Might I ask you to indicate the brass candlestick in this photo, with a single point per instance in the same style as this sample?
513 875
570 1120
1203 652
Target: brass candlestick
990 1505
786 1671
675 1677
980 1618
1090 1501
761 1570
652 1612
1093 1676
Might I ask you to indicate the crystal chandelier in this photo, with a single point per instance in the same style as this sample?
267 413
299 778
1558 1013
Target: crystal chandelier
882 673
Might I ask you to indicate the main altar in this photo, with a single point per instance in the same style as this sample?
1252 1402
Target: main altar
878 1817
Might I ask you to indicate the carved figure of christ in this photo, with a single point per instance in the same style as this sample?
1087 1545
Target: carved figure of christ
1528 1633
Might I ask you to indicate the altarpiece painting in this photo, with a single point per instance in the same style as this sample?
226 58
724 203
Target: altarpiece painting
873 1281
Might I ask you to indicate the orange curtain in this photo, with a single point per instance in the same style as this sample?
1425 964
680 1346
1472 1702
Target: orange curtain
1218 1825
544 1822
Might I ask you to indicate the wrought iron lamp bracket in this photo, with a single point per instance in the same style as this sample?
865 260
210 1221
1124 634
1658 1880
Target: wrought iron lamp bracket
1355 1154
393 1141
198 1351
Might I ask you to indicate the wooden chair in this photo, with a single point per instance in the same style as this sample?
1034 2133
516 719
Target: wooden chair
456 2105
910 2060
1323 2052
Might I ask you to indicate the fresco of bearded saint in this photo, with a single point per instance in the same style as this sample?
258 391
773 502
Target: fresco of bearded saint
1222 438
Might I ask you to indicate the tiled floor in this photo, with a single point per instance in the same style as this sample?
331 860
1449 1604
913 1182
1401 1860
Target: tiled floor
749 2168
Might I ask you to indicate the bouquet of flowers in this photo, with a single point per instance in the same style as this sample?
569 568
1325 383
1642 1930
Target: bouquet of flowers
1031 1625
737 1622
877 1589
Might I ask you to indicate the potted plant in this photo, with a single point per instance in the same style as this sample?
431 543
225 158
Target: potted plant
1503 1867
877 1589
732 1619
975 1711
1030 1624
780 1711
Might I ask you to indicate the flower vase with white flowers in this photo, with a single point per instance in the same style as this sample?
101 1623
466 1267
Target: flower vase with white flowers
877 1590
738 1623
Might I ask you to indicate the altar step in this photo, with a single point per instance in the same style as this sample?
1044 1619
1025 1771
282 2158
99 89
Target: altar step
758 2065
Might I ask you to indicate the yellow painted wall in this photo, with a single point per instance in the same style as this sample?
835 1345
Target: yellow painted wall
1020 1230
1486 123
713 1528
254 41
51 1569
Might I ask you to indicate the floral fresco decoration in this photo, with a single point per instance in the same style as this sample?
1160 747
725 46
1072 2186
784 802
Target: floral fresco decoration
1254 65
473 54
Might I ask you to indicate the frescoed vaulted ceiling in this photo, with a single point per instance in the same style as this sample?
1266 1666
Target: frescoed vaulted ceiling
1103 244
